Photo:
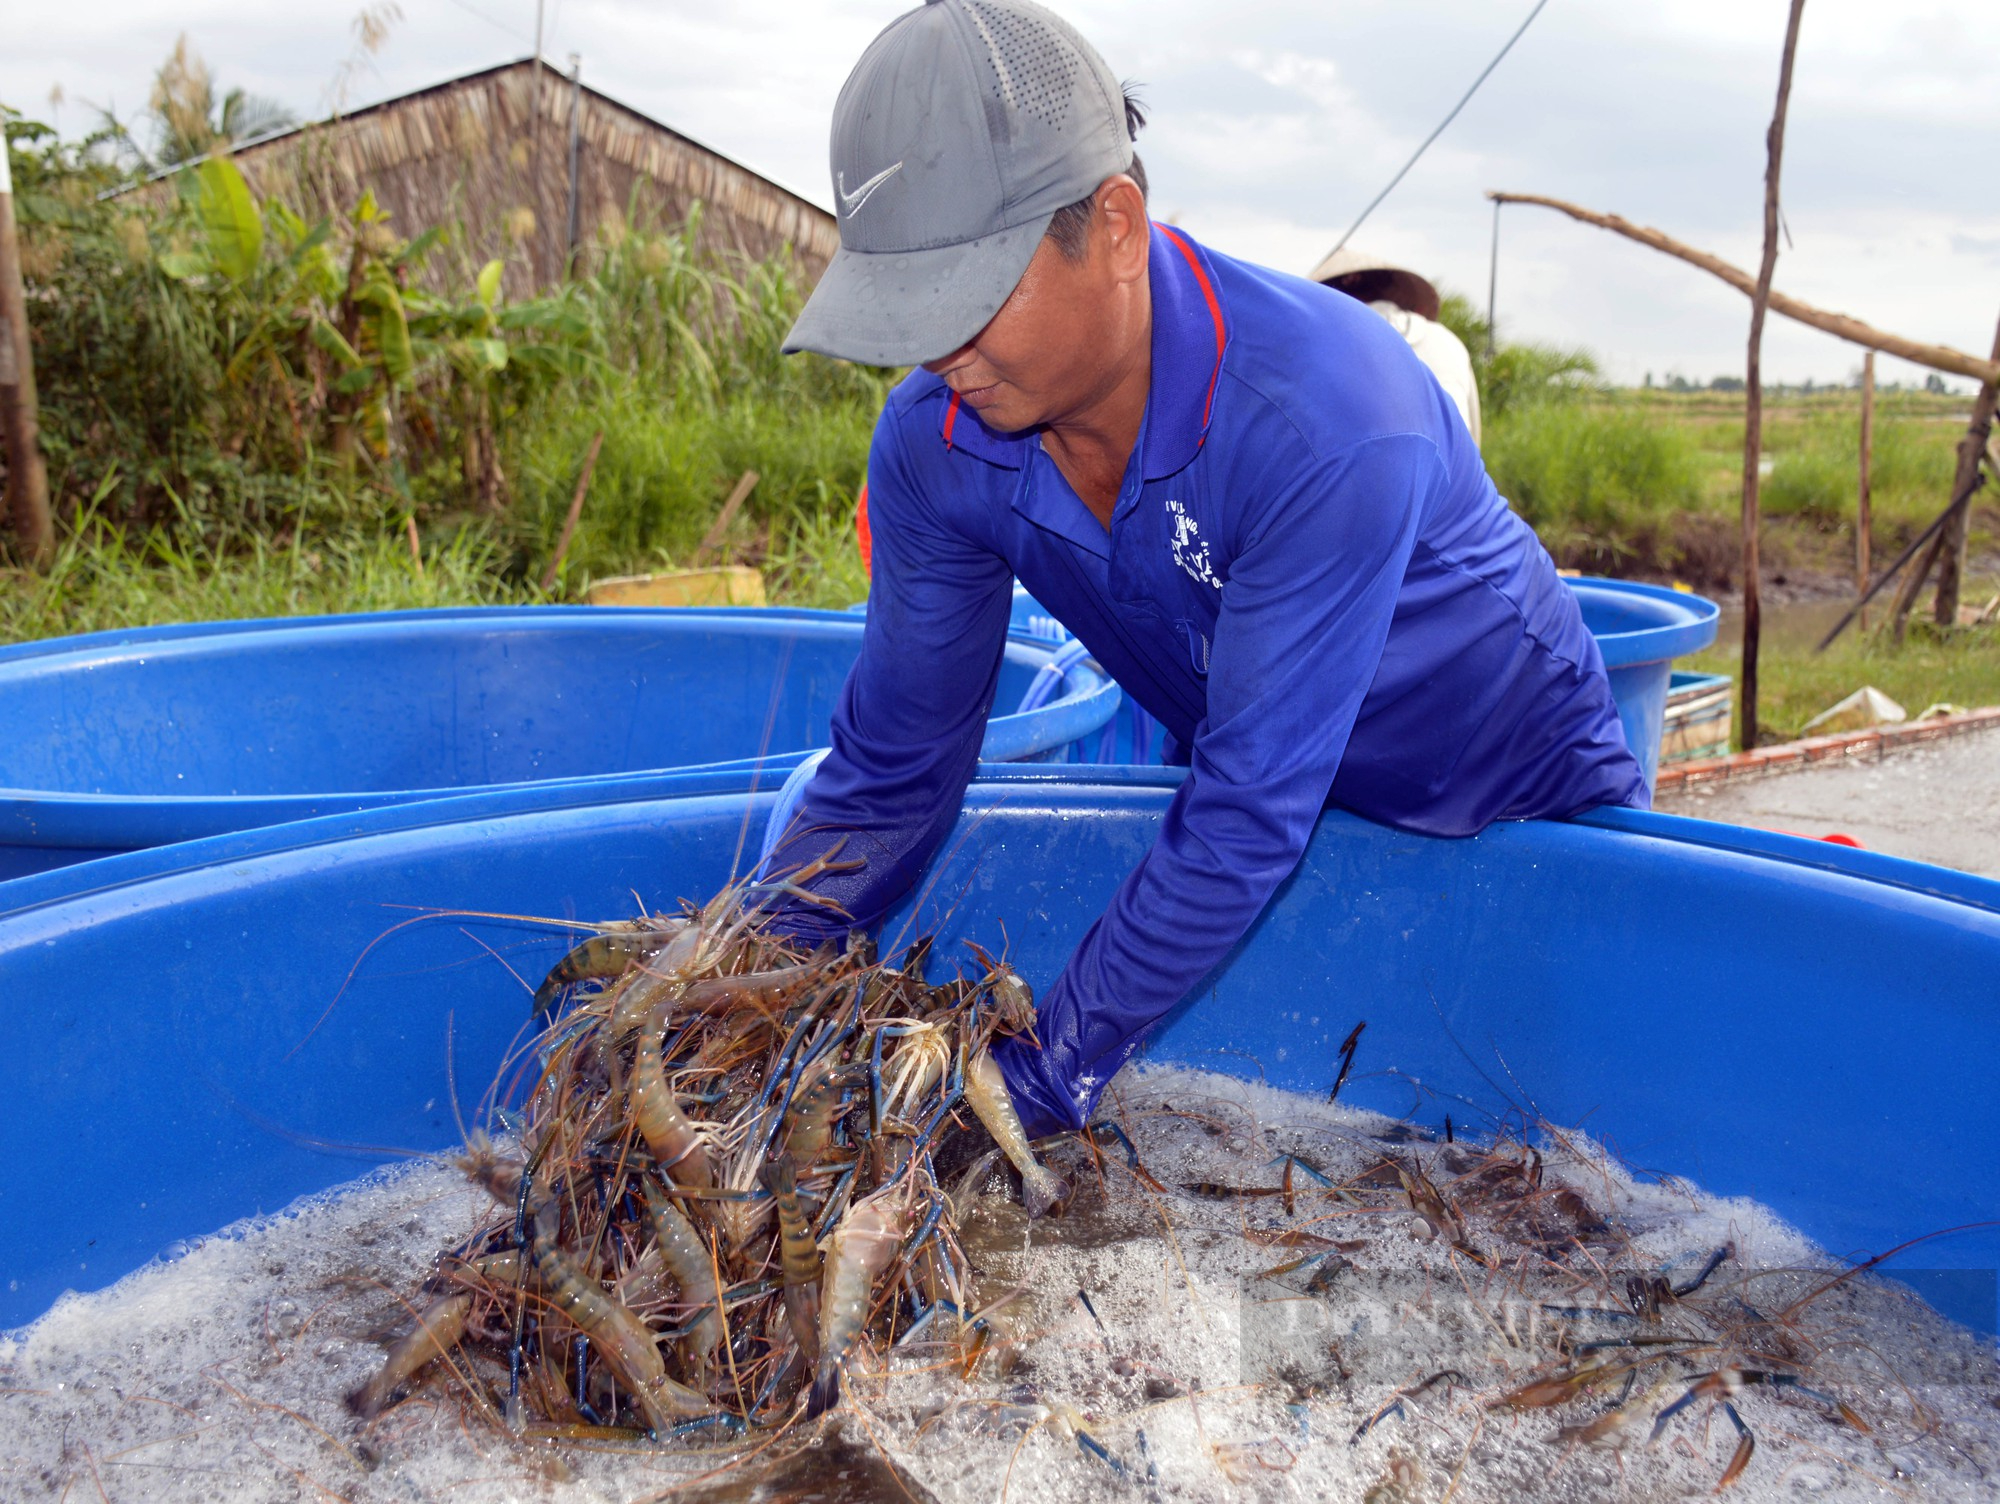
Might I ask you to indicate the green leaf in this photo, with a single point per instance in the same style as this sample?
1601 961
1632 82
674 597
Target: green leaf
378 289
489 284
359 380
290 227
392 340
183 266
320 275
334 344
418 249
493 352
230 220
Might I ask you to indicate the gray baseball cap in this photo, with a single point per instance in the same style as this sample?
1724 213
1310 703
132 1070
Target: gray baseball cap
963 129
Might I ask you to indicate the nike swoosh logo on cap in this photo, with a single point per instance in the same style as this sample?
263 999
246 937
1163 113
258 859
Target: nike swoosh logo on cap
853 201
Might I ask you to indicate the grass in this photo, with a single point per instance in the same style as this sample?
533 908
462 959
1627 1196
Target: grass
1961 668
102 580
1650 483
1625 483
665 471
1601 484
819 564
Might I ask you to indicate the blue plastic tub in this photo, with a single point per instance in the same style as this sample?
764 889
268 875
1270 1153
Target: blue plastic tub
1699 710
1131 736
1640 630
123 740
187 1022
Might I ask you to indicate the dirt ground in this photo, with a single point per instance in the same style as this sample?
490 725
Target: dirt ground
1939 803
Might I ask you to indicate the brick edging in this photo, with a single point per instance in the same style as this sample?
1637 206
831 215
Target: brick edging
1875 742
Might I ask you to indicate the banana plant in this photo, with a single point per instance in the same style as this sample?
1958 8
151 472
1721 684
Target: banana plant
335 313
231 230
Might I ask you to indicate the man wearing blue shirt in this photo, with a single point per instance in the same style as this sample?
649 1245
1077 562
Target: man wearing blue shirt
1241 490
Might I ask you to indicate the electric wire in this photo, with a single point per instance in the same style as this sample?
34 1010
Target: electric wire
473 10
1463 101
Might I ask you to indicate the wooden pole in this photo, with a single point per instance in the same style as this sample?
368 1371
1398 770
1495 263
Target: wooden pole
1951 556
1753 404
720 527
1951 569
535 195
1913 582
1935 357
1863 524
575 156
1928 537
575 511
20 422
1493 287
1948 552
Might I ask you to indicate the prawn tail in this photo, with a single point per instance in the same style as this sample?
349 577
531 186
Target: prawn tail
779 1175
1046 1194
825 1391
370 1399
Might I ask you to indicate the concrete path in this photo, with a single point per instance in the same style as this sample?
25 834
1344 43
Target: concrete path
1938 803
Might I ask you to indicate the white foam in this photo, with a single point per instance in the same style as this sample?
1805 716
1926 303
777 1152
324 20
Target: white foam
220 1375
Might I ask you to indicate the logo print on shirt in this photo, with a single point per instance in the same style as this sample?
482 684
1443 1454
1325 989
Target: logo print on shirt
1189 548
853 201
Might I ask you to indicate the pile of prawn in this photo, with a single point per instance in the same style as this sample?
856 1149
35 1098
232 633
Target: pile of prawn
722 1191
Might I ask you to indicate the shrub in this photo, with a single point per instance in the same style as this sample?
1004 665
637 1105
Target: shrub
1816 475
1598 484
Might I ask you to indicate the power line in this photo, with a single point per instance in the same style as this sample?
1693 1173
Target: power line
1463 101
473 10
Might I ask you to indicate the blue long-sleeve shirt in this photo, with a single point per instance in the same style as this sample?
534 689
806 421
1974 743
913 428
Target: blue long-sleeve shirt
1308 579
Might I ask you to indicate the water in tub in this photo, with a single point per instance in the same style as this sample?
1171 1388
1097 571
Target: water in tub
1485 1319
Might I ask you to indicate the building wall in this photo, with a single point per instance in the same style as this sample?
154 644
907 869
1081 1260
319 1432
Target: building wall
488 157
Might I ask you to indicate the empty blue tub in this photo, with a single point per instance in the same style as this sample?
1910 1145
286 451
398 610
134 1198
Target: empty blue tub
123 740
1640 630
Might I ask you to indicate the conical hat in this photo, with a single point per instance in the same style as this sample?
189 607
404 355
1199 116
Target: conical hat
1401 286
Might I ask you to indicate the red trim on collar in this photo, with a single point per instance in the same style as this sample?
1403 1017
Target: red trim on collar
1214 312
864 535
950 418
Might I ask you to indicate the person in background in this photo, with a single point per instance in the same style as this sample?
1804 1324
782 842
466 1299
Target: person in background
1410 304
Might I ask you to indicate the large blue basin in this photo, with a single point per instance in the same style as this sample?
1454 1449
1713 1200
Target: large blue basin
1640 630
185 1024
121 740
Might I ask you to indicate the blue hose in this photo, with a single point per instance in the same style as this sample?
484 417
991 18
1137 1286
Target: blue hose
1049 677
1048 681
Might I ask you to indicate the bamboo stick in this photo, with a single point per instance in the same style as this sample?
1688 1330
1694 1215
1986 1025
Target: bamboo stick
1950 546
1967 482
20 424
1863 523
1935 357
1753 406
575 511
720 527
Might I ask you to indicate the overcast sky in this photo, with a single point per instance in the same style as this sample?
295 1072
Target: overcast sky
1275 121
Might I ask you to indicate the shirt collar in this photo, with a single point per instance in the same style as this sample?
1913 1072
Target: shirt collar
1190 337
